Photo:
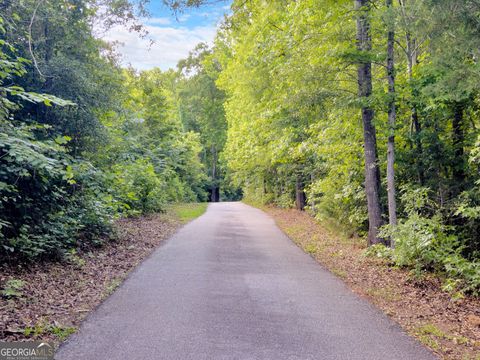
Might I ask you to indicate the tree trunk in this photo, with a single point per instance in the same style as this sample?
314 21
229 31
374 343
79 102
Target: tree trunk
458 144
418 143
392 115
300 198
215 190
412 59
216 194
372 181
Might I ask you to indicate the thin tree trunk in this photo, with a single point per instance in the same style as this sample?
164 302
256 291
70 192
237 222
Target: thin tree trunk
215 195
392 115
418 143
411 62
300 199
458 144
372 181
412 59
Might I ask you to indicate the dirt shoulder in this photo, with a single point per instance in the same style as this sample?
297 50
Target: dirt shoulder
451 328
48 301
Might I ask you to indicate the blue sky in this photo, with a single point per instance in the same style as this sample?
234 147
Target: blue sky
170 37
203 16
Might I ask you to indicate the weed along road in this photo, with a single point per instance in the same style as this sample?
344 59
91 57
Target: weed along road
231 285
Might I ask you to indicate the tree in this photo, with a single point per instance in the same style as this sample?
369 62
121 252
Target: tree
201 109
115 146
372 174
392 115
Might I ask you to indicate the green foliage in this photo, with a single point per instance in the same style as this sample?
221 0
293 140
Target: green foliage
289 73
138 187
38 182
13 288
41 328
423 242
432 336
200 104
379 251
155 161
283 201
271 111
82 141
62 332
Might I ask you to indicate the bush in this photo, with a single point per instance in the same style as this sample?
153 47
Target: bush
344 204
285 201
138 188
423 242
46 207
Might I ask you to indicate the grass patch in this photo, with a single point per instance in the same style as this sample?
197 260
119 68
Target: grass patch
383 293
62 333
112 286
41 328
431 335
339 273
188 212
311 248
13 288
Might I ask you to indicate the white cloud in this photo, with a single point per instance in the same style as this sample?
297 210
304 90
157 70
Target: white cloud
158 21
184 17
169 45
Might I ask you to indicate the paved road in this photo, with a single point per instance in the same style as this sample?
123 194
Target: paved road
231 285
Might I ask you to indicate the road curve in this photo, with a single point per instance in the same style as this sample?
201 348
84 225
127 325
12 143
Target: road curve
231 285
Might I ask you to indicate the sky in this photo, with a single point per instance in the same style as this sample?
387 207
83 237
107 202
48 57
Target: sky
170 37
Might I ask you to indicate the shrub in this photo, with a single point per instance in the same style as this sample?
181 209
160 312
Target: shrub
285 201
13 288
423 242
46 206
138 188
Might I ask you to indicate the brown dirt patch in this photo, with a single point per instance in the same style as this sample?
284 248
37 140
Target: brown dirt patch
55 297
451 328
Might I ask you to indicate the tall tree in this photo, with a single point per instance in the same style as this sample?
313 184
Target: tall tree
201 110
392 115
372 173
409 10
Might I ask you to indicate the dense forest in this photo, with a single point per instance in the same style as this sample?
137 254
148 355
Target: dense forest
364 113
84 141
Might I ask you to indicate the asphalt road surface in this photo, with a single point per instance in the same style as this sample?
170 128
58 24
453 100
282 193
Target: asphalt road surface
231 285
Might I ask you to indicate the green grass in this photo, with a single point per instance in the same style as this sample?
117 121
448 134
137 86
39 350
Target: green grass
188 212
431 335
42 328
